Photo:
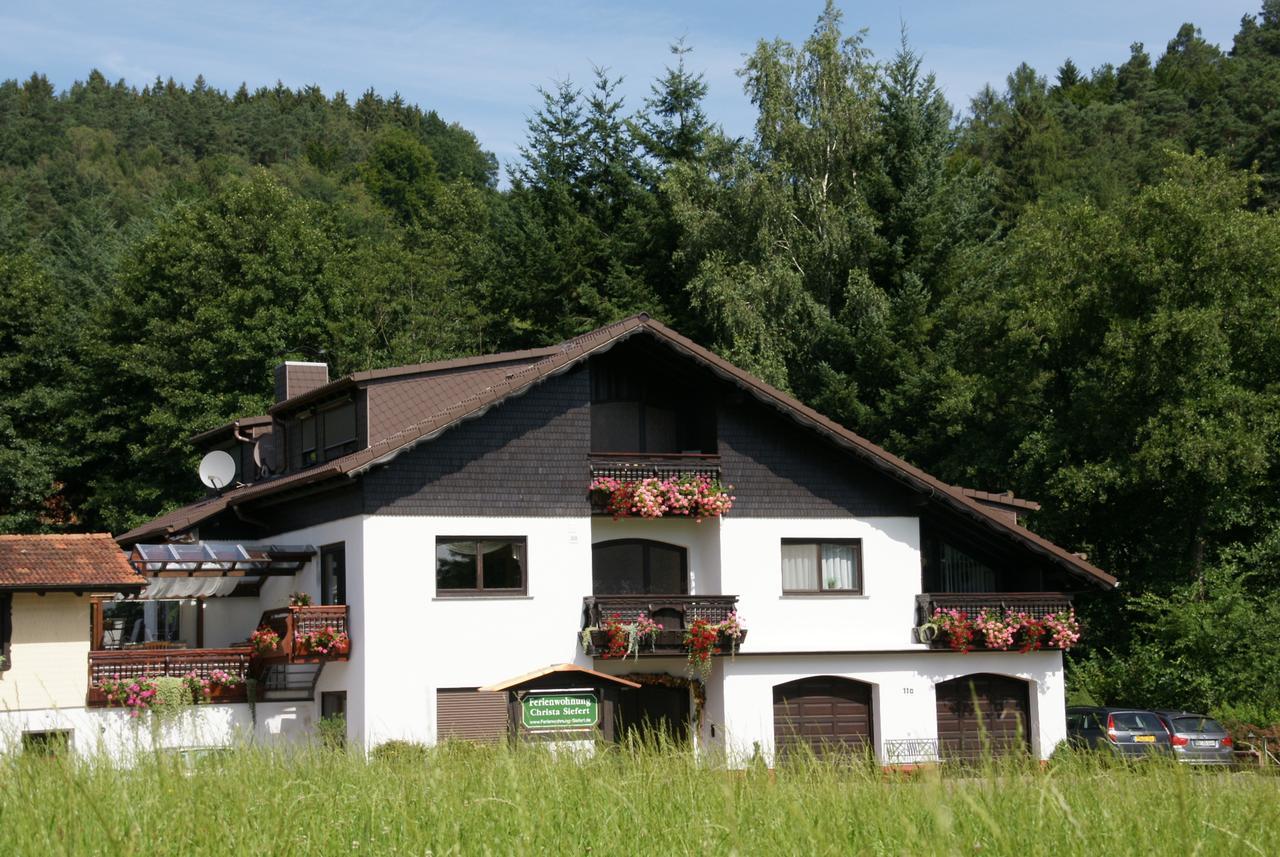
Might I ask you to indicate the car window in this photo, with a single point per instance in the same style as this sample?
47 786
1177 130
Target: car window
1197 724
1135 721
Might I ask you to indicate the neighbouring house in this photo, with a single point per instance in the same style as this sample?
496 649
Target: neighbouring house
49 587
490 544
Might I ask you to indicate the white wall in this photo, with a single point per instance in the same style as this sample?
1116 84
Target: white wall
49 652
903 701
881 618
418 642
113 733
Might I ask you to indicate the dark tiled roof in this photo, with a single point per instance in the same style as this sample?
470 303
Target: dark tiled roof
453 402
90 561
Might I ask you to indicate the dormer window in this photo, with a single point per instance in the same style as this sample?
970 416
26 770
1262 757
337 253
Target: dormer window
328 432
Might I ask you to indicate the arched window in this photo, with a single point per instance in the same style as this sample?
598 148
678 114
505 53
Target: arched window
639 567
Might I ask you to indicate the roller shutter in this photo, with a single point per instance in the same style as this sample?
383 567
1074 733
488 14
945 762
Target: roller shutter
464 713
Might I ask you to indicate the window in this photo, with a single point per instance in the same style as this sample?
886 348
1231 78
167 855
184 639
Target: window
333 718
486 566
833 566
638 567
324 434
130 623
339 429
52 742
468 714
307 428
333 574
6 630
649 411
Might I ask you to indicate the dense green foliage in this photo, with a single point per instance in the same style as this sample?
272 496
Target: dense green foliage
1070 291
460 799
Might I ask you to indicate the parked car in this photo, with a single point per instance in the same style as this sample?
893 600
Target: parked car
1197 739
1127 732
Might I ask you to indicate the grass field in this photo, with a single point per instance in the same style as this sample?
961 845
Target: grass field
476 800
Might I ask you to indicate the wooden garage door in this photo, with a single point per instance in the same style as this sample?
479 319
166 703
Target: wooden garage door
830 715
464 713
982 711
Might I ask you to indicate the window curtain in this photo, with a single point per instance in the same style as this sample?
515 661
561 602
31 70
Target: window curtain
839 567
799 567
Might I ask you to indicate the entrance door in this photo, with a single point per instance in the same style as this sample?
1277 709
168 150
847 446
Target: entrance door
829 715
982 711
653 709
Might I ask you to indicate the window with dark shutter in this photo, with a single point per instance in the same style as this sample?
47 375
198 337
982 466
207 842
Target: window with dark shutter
467 714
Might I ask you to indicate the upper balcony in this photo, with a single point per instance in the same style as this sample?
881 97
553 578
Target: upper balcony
996 621
307 634
606 618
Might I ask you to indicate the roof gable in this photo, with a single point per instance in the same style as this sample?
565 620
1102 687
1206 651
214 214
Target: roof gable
518 378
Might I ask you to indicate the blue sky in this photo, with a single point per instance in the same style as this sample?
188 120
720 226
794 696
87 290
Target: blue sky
478 63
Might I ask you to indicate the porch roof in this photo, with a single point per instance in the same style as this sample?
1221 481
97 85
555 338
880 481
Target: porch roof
218 559
569 669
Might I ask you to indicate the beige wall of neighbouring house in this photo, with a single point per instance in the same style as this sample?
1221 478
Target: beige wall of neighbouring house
49 652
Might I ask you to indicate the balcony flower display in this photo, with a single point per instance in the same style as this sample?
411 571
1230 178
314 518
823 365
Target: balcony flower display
694 497
702 640
264 640
992 629
136 693
299 599
624 638
326 641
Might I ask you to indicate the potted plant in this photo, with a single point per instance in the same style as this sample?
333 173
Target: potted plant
264 641
299 599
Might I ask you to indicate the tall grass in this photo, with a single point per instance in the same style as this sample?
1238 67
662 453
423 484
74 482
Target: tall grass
462 799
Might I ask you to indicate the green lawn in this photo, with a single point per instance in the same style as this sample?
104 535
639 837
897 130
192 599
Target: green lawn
469 800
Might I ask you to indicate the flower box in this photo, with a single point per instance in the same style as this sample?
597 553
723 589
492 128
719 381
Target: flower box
668 643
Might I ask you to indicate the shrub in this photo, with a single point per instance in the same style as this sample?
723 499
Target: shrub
400 751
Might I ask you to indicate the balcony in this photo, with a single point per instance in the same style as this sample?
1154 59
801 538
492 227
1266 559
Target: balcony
155 662
1037 606
673 612
299 629
644 465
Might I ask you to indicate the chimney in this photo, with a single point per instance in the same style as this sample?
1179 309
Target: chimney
294 378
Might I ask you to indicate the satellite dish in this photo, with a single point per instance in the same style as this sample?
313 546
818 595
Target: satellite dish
217 470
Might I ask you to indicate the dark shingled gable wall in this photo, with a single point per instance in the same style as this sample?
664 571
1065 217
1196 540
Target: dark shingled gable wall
781 470
526 456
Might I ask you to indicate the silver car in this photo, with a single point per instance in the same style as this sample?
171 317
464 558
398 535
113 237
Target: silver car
1197 739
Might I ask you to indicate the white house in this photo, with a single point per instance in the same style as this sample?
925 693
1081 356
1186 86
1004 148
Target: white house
442 517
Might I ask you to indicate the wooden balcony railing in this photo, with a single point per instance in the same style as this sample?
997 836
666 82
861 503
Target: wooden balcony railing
294 622
673 612
152 663
1036 605
642 465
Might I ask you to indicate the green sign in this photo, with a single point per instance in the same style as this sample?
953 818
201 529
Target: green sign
559 709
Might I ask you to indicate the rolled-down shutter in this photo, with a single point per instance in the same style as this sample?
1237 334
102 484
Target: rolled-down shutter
467 714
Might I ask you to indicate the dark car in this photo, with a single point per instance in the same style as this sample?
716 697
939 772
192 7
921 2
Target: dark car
1197 739
1127 732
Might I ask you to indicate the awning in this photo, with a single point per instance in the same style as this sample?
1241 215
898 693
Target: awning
174 588
218 559
569 671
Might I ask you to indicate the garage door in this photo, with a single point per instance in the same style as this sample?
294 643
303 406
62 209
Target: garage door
829 715
977 711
